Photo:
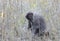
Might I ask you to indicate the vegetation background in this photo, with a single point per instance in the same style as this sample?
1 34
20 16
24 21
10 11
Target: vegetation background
13 24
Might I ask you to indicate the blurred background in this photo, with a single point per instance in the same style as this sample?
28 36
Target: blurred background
13 24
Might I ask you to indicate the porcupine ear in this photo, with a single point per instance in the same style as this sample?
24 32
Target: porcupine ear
29 16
